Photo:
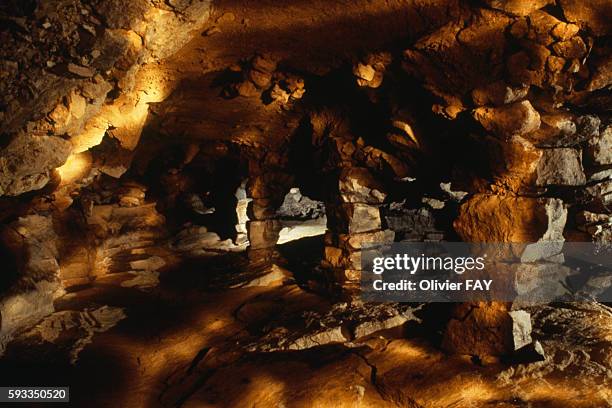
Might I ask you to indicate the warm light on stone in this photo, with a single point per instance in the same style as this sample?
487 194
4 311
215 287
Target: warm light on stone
76 167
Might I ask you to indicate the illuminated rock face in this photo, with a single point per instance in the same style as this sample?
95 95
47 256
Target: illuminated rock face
143 136
71 100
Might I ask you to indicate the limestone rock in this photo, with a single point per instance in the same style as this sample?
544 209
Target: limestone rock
599 150
80 70
19 310
297 206
324 336
381 161
35 243
528 278
574 48
492 218
269 185
196 239
355 218
26 163
261 209
516 119
561 167
357 185
513 162
498 93
263 63
152 263
416 223
143 279
263 234
564 31
83 325
521 328
246 88
356 241
260 79
602 77
556 130
486 329
365 72
594 15
518 7
273 276
601 192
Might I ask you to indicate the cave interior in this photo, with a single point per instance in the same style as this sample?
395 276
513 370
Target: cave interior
186 185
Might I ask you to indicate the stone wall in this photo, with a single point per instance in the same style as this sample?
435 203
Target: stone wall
482 121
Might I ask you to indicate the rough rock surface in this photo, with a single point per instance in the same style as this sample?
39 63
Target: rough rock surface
36 285
152 151
26 163
560 167
516 119
487 330
599 150
78 60
490 218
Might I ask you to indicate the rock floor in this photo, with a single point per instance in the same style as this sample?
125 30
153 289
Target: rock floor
204 338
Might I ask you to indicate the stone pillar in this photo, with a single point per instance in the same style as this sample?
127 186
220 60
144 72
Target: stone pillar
527 160
353 218
267 186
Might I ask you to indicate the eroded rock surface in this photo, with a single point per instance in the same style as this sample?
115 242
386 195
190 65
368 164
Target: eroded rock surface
193 172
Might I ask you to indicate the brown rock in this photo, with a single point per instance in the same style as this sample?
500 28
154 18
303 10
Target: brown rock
333 255
365 72
279 94
516 119
538 55
269 185
498 93
601 192
492 218
486 329
354 218
36 245
573 48
111 158
565 31
80 70
553 129
357 185
555 64
594 15
561 167
259 78
263 234
541 24
513 162
379 160
247 88
518 68
519 28
356 241
261 209
602 75
263 63
599 150
226 18
342 259
26 163
518 7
